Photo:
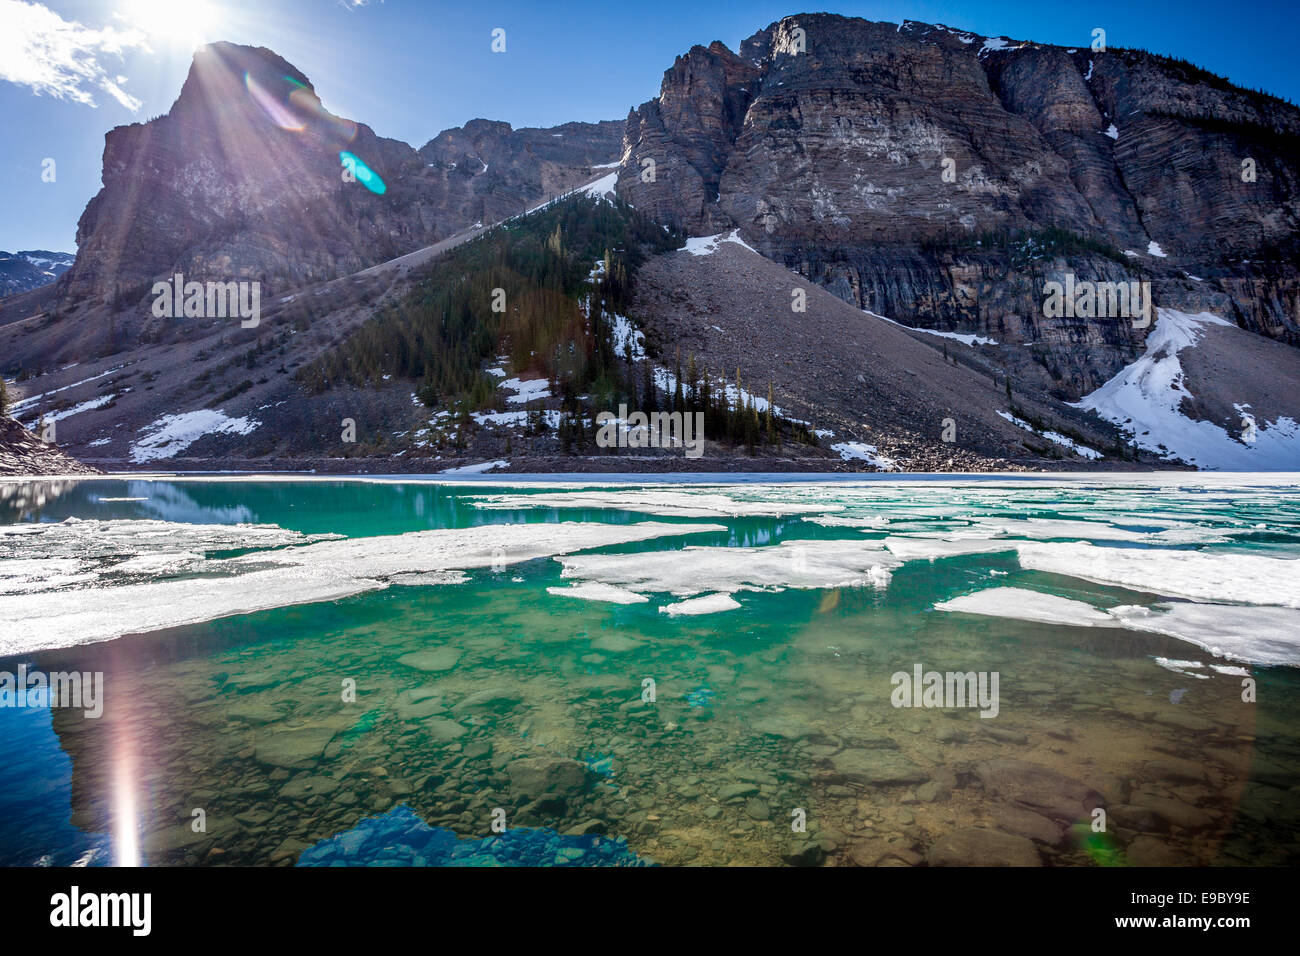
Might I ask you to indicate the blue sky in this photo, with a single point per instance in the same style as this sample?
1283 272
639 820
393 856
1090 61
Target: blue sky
410 69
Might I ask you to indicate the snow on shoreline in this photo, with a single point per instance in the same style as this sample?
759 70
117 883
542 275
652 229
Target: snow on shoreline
860 451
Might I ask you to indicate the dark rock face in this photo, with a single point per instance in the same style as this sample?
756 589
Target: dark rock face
24 271
832 160
22 453
243 179
489 171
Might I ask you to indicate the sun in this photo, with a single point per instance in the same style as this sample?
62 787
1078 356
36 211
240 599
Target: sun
174 22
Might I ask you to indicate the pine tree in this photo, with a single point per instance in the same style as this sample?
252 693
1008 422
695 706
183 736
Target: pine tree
678 403
768 427
692 385
706 399
648 391
4 397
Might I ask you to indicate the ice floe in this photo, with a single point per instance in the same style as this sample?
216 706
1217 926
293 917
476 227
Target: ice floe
1258 635
1199 575
87 538
708 604
698 569
592 591
323 571
675 504
1025 605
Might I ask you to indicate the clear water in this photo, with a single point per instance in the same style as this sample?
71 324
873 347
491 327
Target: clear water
776 712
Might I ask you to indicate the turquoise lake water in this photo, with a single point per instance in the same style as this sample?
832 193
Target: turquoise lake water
406 672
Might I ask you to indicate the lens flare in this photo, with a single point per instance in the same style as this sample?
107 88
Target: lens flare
307 103
363 173
126 822
277 112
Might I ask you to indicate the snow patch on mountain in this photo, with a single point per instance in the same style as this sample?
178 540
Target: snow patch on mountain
172 434
1145 400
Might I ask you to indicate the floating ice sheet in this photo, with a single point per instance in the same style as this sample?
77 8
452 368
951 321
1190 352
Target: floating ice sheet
592 591
696 570
328 570
708 604
78 538
1258 635
1200 575
674 504
1025 605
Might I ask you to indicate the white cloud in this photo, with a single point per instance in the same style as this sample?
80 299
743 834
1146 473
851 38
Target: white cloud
58 57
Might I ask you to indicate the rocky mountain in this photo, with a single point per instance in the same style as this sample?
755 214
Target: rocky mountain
920 172
244 178
24 271
876 210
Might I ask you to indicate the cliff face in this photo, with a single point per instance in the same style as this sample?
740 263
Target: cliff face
22 453
243 179
490 171
831 157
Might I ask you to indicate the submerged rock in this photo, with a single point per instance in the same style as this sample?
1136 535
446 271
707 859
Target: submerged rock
435 661
978 847
877 768
1026 823
547 778
1151 851
400 838
1038 788
805 853
444 731
1174 812
293 749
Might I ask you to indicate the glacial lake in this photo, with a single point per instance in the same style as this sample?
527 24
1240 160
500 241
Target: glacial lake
406 671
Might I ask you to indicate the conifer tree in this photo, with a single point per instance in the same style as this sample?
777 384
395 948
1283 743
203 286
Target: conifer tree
678 404
768 428
648 391
692 385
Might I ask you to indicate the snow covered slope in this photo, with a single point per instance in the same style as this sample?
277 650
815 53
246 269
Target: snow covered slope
1209 393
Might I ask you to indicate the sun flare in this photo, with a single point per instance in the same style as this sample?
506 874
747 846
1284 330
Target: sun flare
178 22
